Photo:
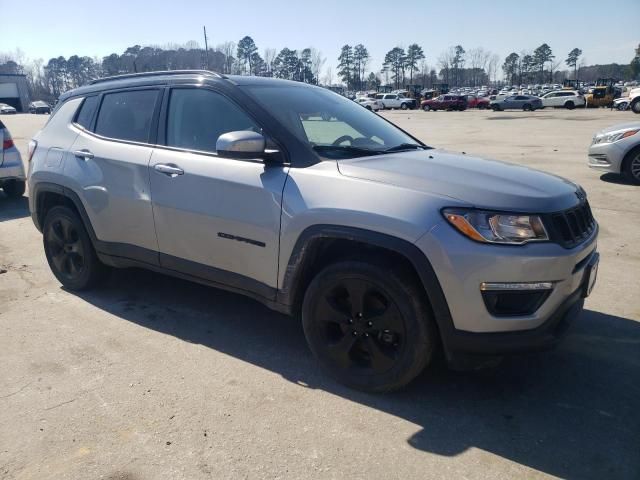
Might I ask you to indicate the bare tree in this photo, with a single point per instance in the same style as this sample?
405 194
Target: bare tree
269 56
494 62
317 62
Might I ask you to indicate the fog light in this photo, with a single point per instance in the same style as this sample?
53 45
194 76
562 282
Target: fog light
514 299
599 159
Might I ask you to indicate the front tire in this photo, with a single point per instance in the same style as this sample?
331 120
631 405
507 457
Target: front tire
527 107
69 250
635 105
14 188
403 106
631 166
368 325
426 108
570 105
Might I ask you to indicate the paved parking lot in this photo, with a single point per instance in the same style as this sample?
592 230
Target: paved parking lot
152 377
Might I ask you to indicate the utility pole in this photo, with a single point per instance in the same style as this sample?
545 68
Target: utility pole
206 49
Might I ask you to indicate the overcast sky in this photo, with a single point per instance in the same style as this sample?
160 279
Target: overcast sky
44 29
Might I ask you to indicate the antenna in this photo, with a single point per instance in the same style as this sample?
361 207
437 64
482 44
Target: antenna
206 49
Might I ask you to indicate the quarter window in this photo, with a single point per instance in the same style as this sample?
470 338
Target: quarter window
197 117
88 108
127 115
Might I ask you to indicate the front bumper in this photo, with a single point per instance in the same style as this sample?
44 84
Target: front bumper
606 157
462 265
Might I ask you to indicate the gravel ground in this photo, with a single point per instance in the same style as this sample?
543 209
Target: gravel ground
152 377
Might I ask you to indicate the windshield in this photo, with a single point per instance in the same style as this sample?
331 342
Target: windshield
332 125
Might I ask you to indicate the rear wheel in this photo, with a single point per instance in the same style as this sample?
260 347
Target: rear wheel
368 325
570 105
14 188
631 166
69 250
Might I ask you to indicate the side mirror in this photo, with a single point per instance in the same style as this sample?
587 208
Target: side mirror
242 144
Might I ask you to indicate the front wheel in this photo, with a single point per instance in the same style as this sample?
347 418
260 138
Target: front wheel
14 188
496 108
631 166
426 108
69 250
368 325
635 105
403 106
570 105
526 107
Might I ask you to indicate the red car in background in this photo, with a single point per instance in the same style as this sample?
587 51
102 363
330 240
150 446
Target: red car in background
445 102
477 102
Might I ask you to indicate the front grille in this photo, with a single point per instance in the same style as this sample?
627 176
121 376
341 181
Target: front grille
573 226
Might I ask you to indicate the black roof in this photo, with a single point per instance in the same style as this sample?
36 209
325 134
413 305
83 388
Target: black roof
172 77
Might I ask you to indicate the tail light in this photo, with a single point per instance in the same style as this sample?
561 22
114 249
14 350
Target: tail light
7 143
32 148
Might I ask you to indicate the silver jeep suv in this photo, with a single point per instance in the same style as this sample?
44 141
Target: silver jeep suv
314 206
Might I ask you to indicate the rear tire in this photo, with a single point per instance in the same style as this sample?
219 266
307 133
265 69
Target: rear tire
14 188
368 325
69 250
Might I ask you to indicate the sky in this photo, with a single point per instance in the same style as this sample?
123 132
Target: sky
68 27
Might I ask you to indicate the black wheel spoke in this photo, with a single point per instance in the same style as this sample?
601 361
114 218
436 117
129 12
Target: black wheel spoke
330 311
357 290
59 260
340 351
57 235
75 264
380 359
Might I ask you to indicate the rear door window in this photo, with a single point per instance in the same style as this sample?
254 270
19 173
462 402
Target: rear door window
87 109
127 115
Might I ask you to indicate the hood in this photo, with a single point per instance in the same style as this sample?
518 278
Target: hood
475 181
619 127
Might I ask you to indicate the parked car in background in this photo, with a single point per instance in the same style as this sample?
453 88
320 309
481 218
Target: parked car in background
39 107
569 99
396 100
445 102
617 149
478 102
12 175
517 102
621 104
369 103
7 109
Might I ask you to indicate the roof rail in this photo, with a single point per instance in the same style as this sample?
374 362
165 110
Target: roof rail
157 74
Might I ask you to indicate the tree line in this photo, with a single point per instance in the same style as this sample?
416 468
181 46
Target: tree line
401 67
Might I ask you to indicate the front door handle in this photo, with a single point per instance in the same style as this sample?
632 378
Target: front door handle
169 170
84 154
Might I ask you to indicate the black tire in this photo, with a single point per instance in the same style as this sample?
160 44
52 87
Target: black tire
496 108
635 105
348 337
631 166
481 106
462 109
14 188
569 105
426 108
69 250
527 107
403 106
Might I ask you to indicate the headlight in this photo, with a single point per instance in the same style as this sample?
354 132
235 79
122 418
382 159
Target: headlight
494 227
614 137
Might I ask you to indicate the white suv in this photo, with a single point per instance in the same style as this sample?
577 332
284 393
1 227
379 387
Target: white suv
564 99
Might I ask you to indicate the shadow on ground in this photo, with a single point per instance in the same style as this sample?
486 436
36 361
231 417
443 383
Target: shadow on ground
616 178
572 413
13 208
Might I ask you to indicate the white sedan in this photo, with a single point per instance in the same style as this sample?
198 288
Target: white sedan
369 103
6 109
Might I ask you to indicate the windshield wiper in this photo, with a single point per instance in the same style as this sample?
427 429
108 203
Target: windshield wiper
404 146
346 149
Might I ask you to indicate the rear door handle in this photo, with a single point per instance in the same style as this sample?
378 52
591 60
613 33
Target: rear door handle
84 154
169 170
